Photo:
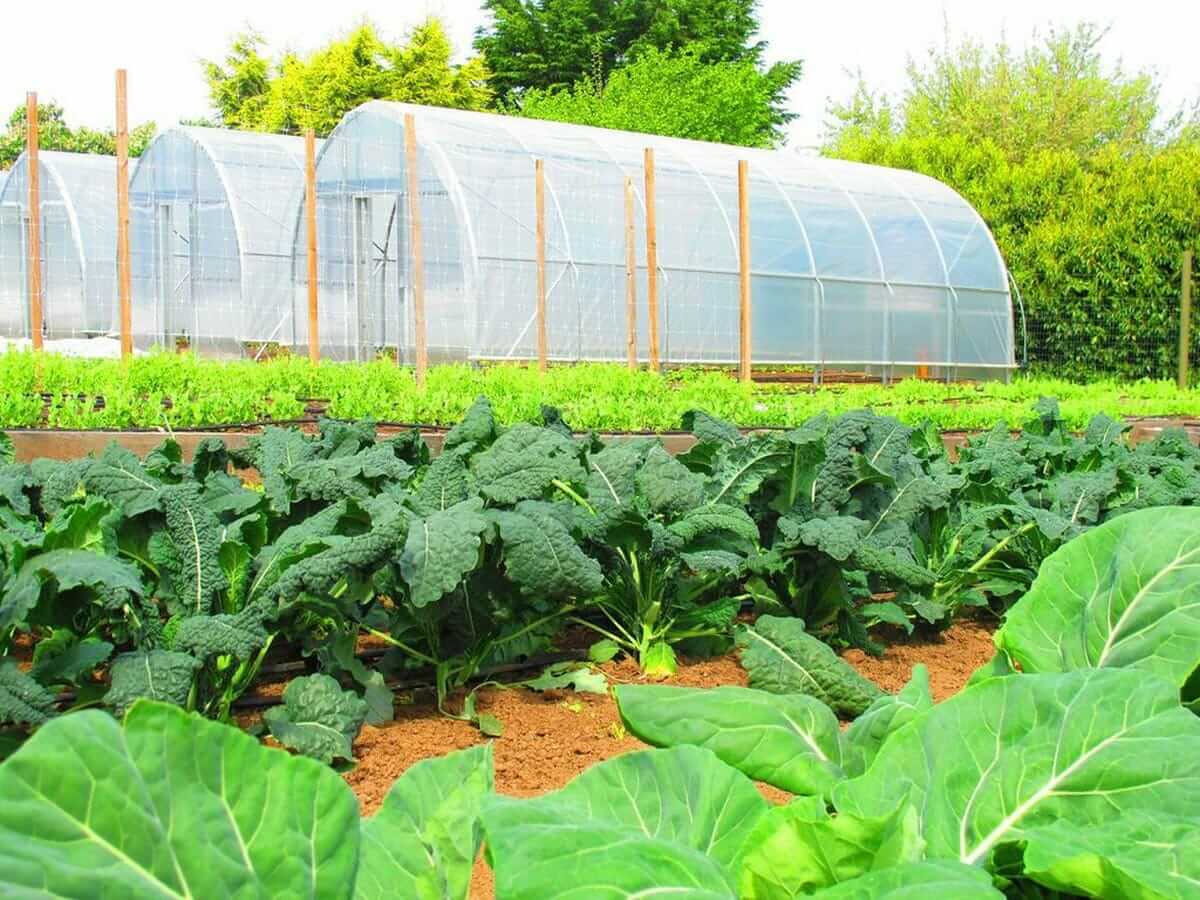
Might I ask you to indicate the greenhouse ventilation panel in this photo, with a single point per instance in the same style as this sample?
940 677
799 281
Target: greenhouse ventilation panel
854 266
78 194
212 215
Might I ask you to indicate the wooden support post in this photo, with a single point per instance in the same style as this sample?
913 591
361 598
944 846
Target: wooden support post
124 270
630 277
310 217
417 251
651 259
744 270
33 173
539 199
1185 321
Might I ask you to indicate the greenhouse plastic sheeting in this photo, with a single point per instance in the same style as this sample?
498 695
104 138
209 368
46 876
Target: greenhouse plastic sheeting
79 237
212 220
852 265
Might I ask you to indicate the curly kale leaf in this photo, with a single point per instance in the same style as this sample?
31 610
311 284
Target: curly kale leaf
741 470
611 483
187 552
157 674
668 486
59 483
63 658
441 550
22 700
317 718
240 635
446 482
523 462
275 453
15 479
478 427
541 556
118 476
711 430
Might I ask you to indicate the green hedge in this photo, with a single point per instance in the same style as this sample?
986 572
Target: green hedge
170 391
1093 244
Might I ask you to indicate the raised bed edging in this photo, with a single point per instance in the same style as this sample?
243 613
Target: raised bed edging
31 444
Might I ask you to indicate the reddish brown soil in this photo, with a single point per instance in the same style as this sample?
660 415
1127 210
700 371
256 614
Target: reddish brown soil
550 738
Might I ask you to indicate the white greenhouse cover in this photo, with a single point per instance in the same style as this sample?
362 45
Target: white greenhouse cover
852 265
212 220
79 237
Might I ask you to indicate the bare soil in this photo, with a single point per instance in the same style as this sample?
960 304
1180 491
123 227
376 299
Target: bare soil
550 738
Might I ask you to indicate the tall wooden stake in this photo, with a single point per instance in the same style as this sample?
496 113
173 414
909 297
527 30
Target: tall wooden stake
539 195
651 259
630 277
124 288
417 251
1185 321
35 220
310 216
744 270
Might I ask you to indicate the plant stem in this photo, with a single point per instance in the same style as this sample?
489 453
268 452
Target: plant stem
573 494
384 636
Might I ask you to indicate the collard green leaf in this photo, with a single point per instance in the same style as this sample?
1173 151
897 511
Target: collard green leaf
22 700
640 814
1125 595
917 881
153 674
423 841
1011 755
781 657
790 741
441 549
1146 855
887 715
800 849
541 556
317 718
523 462
125 810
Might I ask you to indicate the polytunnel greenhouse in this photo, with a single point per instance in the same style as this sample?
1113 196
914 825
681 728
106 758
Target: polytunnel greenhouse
212 220
852 265
77 195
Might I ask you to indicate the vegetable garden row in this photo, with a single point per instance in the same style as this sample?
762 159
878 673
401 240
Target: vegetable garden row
163 390
154 587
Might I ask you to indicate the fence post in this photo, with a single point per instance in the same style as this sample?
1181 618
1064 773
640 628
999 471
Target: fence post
33 173
651 259
539 202
417 251
124 278
630 278
1185 321
744 270
310 216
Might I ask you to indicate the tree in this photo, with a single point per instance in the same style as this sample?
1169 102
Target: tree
674 94
1057 95
551 44
55 134
250 92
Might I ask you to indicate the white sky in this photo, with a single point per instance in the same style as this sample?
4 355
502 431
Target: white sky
67 50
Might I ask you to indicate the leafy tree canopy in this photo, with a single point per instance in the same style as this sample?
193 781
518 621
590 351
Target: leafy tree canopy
250 91
548 44
1057 95
675 94
55 134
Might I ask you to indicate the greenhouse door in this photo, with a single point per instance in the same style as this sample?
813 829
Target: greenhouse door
378 281
173 257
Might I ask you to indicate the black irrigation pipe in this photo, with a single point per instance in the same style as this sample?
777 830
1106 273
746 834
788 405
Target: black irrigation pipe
257 701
